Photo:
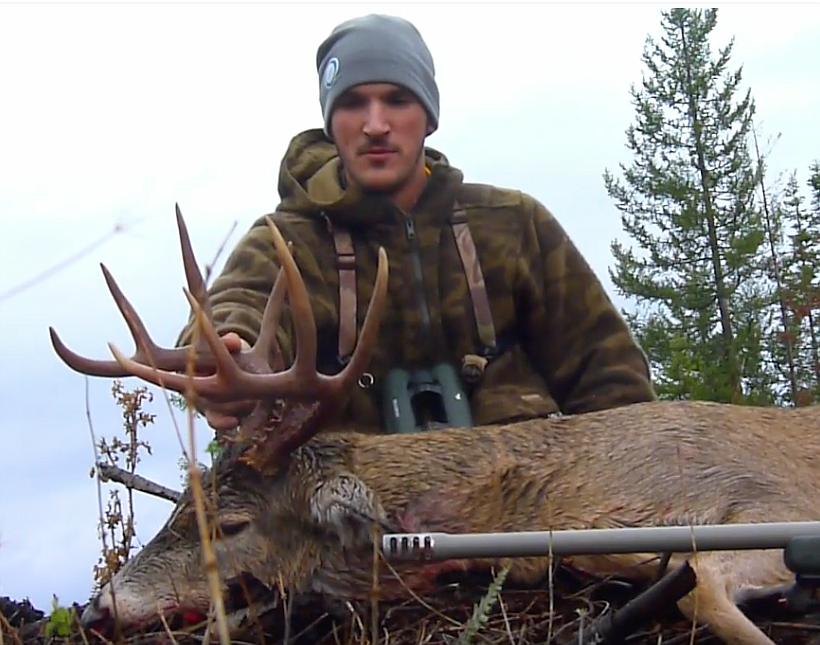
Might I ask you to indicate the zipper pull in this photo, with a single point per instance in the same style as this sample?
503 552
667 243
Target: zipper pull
410 228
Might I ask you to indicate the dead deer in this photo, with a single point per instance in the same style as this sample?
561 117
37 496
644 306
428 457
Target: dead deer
299 507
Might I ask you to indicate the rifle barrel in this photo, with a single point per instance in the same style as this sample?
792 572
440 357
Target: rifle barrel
653 539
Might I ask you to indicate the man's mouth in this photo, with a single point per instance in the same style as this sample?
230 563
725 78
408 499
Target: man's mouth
378 154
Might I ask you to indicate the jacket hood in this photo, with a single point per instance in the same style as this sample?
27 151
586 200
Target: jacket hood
309 183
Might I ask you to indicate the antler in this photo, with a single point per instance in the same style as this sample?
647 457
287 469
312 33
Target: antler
238 378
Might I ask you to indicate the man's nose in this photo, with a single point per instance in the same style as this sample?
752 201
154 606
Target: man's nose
376 123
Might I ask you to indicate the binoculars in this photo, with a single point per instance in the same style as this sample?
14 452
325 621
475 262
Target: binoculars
414 401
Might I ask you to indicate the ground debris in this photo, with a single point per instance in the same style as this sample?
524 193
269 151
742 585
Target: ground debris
18 614
523 616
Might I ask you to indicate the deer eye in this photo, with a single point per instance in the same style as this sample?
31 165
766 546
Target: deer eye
229 528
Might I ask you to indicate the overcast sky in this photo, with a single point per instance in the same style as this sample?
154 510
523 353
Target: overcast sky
111 114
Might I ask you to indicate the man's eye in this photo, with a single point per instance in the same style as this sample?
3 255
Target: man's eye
349 103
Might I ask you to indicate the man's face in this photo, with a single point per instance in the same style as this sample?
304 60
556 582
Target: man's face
379 131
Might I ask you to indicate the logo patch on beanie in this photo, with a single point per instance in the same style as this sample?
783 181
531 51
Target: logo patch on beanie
331 72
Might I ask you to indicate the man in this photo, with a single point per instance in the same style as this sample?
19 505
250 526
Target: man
492 314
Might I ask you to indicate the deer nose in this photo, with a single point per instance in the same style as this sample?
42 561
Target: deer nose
95 615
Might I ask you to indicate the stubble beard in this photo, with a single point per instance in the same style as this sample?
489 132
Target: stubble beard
396 187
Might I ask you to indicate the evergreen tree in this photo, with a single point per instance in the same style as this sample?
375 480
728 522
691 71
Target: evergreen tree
802 285
779 349
688 202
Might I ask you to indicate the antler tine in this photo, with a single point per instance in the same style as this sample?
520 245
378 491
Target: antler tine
304 364
196 283
147 351
265 341
83 365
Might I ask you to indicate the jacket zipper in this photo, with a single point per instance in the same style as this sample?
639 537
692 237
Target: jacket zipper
410 232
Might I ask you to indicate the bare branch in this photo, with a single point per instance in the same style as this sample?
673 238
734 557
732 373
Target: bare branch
137 482
79 255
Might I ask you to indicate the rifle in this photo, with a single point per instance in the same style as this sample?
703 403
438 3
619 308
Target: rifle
800 542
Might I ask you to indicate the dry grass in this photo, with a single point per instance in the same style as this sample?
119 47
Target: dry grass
521 616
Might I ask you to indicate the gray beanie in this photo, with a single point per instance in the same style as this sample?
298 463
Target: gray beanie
376 49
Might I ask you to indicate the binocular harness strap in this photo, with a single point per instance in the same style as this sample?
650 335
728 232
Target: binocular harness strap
472 365
475 278
346 262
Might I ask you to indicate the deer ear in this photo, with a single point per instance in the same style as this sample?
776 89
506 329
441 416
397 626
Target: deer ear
348 509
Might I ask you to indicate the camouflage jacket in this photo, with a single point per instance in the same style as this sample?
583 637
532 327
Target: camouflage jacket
563 344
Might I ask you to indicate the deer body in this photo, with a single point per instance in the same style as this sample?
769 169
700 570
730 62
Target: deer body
650 464
298 508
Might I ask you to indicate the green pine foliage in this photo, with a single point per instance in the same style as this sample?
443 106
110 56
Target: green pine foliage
688 203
